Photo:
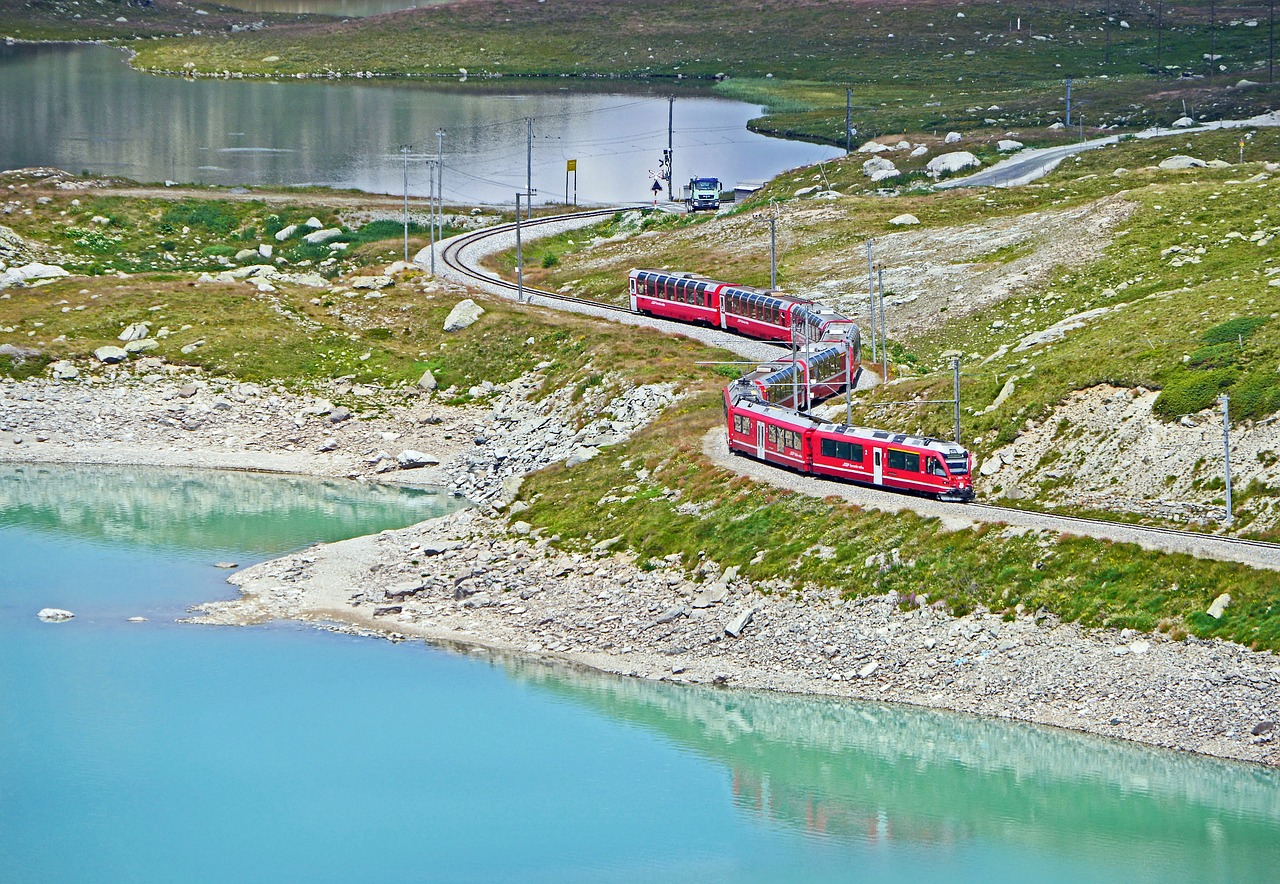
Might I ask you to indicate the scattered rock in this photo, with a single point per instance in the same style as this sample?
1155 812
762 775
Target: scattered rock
463 315
949 163
1219 606
54 615
1180 161
903 220
110 355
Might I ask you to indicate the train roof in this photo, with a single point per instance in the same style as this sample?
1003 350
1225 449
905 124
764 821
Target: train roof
800 420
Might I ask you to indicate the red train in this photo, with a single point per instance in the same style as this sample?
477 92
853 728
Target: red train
765 409
810 444
818 371
757 313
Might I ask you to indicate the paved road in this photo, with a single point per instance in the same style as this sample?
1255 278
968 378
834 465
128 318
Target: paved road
1028 165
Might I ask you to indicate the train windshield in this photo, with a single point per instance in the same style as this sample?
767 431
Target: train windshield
957 463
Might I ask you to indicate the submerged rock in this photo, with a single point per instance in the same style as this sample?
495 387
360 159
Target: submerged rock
54 615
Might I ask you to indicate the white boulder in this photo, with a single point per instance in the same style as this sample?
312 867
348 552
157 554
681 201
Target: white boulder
110 355
316 237
1005 145
874 147
904 220
948 163
285 232
877 164
1183 123
884 174
464 314
952 137
54 615
1181 161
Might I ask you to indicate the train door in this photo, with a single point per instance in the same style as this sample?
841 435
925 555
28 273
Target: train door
879 472
635 307
760 439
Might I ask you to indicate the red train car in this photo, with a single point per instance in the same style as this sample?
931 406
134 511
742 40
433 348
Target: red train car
819 371
756 313
878 458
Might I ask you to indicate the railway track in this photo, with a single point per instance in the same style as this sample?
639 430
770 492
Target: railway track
459 253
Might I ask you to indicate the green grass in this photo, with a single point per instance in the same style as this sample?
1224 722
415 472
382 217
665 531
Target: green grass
770 535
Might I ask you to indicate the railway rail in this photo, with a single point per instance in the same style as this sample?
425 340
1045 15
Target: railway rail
459 252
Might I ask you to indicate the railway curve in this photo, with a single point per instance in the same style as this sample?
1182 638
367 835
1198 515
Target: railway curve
458 262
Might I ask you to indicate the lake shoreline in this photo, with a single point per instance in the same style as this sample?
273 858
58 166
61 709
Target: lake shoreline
482 578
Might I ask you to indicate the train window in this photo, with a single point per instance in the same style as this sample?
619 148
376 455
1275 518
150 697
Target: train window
741 424
791 439
935 467
773 436
904 460
842 450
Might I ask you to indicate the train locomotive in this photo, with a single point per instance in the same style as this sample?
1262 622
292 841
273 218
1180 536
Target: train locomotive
810 444
766 409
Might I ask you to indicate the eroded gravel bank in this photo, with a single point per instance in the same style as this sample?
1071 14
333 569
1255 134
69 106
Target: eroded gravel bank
482 577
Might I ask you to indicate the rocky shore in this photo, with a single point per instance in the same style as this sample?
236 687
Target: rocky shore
482 577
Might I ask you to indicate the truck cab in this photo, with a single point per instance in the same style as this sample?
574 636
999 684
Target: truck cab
702 193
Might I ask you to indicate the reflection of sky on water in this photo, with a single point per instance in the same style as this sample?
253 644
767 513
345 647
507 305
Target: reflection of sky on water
83 109
351 8
862 773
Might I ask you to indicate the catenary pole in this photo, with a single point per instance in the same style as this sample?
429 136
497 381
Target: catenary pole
439 211
955 368
404 149
519 255
1226 453
884 341
871 296
431 203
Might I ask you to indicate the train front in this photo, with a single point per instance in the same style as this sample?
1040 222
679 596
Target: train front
959 479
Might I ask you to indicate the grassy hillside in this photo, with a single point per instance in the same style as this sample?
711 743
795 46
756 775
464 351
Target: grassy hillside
657 491
914 66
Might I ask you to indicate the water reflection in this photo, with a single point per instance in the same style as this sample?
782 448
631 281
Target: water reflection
868 773
204 510
83 108
341 8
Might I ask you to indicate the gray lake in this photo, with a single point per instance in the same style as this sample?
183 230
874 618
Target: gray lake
82 108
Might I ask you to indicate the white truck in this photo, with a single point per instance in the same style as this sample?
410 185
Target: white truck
702 193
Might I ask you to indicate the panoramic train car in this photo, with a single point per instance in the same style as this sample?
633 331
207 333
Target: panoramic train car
756 313
819 371
681 296
814 445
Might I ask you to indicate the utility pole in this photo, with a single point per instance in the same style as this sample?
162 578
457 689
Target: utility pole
519 252
1068 122
1271 42
404 149
955 368
884 341
849 120
871 293
440 182
1226 453
431 178
671 165
528 174
849 375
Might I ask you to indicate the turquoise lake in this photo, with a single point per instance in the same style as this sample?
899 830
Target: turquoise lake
162 751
